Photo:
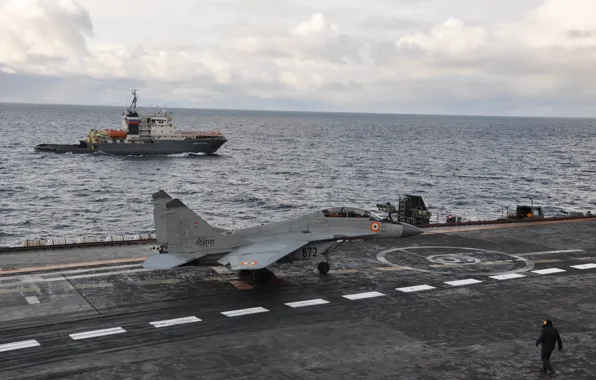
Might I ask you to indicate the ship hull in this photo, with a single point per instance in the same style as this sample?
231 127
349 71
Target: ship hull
159 147
63 148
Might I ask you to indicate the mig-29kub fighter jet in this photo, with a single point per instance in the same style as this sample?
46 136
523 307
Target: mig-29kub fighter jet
186 239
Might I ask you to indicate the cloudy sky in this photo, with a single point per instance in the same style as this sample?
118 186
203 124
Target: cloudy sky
506 57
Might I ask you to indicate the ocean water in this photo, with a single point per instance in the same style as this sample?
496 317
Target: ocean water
279 165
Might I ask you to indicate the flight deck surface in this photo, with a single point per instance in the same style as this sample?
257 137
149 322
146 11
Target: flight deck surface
436 306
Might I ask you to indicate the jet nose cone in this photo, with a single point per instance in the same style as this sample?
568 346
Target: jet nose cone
408 230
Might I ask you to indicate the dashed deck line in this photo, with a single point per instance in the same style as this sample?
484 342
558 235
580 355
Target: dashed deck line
252 310
97 333
304 303
19 345
584 266
317 301
173 322
467 281
359 296
507 276
417 288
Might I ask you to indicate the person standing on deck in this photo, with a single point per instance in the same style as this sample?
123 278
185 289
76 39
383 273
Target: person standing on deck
548 337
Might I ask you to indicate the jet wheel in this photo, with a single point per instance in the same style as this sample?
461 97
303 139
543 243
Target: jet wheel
324 267
263 275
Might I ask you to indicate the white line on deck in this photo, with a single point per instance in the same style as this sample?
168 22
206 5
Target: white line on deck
96 333
359 296
252 310
106 273
30 281
172 322
584 266
19 345
549 252
463 282
31 300
507 276
95 269
417 288
317 301
548 270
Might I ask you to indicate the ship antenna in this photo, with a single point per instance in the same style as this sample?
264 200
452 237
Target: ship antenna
133 104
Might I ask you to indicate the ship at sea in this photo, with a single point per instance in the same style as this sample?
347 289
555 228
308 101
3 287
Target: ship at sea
142 134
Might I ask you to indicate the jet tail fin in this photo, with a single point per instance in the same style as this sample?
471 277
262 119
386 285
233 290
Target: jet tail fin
187 232
160 199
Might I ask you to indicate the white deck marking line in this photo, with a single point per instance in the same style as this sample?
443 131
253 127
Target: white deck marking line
50 275
463 282
548 271
172 322
317 301
106 273
35 289
96 269
74 265
96 333
584 266
32 299
32 281
507 276
236 313
417 288
19 345
359 296
548 252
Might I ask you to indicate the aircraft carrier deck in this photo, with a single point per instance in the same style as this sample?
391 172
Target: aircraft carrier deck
429 307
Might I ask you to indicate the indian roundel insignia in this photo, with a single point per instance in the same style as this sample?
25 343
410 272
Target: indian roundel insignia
375 226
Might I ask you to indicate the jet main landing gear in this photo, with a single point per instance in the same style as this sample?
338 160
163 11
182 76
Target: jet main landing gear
263 275
324 267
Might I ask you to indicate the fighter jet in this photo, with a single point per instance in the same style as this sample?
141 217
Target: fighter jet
184 238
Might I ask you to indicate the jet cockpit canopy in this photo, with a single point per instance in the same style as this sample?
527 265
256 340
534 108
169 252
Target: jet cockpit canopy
350 212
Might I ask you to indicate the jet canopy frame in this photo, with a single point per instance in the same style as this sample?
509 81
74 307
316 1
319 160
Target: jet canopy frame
350 212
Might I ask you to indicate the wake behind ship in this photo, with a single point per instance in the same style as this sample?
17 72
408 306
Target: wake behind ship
142 134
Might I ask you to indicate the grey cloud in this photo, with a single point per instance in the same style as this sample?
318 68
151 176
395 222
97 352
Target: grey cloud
22 87
393 23
60 28
383 53
263 8
579 34
339 50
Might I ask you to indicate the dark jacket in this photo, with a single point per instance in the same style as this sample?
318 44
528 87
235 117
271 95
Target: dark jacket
548 337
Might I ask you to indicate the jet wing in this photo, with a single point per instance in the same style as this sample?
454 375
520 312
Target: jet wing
168 260
260 255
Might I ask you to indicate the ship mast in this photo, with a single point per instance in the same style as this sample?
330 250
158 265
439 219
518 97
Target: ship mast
133 104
